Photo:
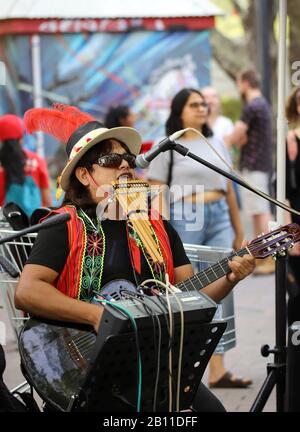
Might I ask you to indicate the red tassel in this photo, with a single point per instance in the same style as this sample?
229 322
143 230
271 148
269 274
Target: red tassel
60 121
136 255
164 241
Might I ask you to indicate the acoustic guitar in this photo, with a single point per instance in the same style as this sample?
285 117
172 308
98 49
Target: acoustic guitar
56 356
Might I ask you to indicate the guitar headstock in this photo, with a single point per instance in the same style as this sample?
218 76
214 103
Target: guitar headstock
275 242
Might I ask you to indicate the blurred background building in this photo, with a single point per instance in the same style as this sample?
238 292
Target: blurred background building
95 54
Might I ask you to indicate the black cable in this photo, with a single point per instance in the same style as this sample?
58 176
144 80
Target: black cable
162 300
149 311
137 343
157 305
171 342
141 298
163 305
158 360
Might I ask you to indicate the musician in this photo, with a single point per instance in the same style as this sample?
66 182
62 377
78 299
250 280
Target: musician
72 261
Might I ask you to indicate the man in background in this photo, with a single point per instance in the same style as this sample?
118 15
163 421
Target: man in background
253 135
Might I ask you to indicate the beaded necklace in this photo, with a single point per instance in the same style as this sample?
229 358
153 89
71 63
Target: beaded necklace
93 260
94 256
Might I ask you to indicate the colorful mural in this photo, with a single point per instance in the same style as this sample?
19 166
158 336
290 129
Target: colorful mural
143 69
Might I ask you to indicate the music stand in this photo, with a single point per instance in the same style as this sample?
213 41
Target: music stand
111 384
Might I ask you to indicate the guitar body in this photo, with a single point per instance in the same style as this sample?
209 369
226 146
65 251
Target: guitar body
56 355
54 362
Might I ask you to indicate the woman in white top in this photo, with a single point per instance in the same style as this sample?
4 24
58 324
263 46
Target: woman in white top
203 207
219 124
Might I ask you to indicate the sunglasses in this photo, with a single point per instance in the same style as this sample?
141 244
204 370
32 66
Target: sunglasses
114 160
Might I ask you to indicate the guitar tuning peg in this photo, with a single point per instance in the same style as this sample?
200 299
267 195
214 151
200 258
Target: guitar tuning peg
282 252
274 257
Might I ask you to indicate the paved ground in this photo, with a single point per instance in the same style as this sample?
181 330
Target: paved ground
255 323
255 326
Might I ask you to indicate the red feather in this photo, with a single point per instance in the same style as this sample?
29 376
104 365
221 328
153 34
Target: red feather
60 121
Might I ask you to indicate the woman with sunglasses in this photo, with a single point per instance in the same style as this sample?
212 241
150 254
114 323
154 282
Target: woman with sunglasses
71 262
203 208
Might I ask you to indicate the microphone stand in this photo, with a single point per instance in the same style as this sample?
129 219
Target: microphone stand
184 151
53 220
276 371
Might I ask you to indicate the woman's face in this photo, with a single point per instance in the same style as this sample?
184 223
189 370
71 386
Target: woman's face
195 112
100 178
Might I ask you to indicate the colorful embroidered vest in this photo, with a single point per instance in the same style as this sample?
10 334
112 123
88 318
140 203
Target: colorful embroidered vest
76 280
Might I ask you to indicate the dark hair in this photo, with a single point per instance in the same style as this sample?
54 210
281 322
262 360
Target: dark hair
77 193
115 115
251 76
174 122
13 158
291 106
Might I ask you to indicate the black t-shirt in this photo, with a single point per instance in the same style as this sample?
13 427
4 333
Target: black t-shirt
293 181
256 154
51 249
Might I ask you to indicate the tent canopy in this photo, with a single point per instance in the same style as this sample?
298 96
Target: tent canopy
70 9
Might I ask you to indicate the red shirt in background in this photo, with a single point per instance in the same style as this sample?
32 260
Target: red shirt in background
35 167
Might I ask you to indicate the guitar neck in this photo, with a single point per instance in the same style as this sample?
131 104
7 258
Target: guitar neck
210 274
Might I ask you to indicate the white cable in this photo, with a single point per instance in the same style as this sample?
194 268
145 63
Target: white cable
170 288
177 134
180 346
171 336
274 201
170 365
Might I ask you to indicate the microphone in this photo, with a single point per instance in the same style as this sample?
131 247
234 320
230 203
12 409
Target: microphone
143 160
53 220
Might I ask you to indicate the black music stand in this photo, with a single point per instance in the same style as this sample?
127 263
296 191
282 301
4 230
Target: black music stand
111 384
